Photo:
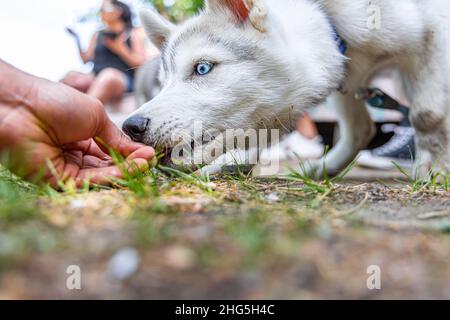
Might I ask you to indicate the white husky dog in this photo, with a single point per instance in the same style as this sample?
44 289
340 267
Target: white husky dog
255 64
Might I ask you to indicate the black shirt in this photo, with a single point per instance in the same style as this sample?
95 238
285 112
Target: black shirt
105 58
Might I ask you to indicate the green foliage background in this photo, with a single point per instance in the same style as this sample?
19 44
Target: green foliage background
180 10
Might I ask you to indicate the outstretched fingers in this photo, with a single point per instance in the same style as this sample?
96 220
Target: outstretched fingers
110 137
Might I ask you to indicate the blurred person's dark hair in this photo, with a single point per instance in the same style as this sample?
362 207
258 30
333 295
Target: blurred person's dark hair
127 15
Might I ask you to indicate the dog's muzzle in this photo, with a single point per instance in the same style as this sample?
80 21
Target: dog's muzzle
135 127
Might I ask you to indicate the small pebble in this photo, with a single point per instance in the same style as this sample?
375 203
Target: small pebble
77 204
124 264
273 197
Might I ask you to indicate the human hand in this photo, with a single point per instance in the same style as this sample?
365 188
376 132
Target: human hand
72 32
75 36
117 45
55 133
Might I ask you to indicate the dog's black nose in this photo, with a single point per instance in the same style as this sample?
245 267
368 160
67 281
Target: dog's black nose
135 127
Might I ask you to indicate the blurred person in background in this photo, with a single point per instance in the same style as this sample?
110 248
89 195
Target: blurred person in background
116 52
387 91
303 144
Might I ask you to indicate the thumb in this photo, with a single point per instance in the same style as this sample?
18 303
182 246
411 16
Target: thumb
110 136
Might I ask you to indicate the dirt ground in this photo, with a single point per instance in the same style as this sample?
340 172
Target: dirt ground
231 238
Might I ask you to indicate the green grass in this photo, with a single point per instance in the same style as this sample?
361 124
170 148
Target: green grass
23 229
251 231
246 228
321 188
153 225
19 241
17 199
431 181
203 181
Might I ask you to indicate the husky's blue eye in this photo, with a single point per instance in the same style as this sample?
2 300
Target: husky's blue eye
203 68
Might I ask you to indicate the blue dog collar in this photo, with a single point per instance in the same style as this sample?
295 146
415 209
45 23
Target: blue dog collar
341 43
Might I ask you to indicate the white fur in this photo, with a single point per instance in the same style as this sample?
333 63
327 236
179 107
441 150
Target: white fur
297 65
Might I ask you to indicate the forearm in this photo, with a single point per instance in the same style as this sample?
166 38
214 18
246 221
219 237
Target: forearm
132 59
16 90
16 87
86 56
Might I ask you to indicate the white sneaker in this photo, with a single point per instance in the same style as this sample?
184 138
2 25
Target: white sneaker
294 147
399 151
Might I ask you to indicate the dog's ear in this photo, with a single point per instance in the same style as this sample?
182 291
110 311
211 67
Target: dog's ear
242 10
158 28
